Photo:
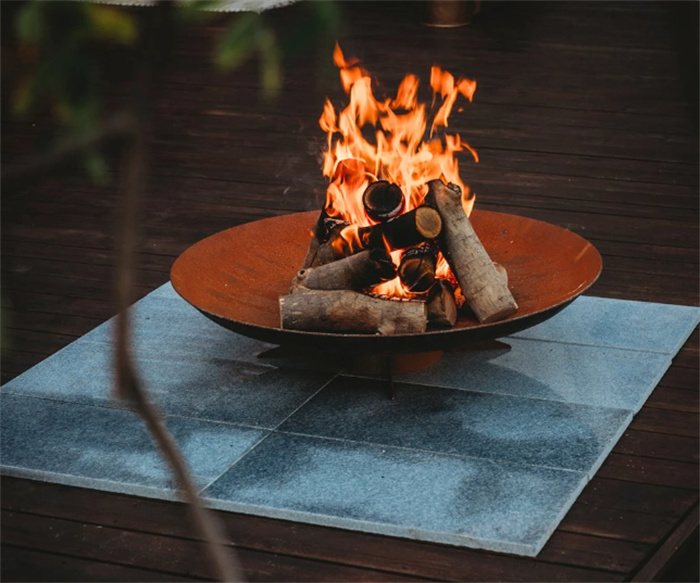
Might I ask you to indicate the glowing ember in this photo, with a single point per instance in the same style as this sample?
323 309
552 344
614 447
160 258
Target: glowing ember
373 140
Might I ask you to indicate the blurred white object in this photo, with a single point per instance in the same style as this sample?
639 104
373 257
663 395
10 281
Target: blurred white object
222 6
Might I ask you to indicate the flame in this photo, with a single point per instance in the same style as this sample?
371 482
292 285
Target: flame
372 139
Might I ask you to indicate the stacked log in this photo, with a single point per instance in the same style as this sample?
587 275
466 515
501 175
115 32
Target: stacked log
345 260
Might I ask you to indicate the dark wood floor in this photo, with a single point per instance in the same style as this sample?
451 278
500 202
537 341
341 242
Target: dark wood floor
585 116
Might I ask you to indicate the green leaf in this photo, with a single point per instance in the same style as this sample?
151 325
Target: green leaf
30 23
239 42
327 14
110 23
197 10
270 66
23 95
96 166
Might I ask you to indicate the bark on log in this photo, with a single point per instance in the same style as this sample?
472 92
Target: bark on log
324 229
442 309
351 312
383 201
355 272
311 252
417 268
486 291
502 271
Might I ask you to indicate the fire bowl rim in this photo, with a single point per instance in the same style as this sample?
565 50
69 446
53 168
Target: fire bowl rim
435 339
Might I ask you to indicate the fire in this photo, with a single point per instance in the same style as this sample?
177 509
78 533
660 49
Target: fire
372 139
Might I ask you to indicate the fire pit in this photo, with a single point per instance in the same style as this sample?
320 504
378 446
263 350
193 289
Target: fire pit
236 277
395 249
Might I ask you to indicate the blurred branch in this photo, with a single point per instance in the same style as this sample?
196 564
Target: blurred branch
128 385
59 43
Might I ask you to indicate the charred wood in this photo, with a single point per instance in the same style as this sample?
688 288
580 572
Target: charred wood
417 268
383 201
442 309
404 231
323 230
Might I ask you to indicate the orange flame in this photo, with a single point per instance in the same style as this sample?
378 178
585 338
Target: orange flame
372 139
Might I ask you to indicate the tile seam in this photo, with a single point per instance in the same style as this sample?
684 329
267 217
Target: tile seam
269 433
497 462
491 393
517 336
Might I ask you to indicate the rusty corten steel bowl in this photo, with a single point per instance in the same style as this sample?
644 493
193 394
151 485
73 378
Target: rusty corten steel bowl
236 277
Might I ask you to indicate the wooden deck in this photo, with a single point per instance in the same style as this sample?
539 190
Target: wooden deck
586 116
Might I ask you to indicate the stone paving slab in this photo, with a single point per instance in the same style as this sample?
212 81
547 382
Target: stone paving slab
486 449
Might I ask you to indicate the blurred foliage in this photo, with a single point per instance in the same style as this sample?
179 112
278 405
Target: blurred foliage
251 34
58 54
57 44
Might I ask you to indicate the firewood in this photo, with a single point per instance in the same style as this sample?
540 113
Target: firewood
351 312
484 288
327 225
502 271
340 244
442 309
383 201
417 268
325 228
404 231
311 252
356 272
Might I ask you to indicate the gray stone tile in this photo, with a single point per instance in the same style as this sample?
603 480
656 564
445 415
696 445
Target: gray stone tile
399 492
620 324
164 325
109 449
212 388
589 375
497 427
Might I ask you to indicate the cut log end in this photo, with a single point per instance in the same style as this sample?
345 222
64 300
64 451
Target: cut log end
428 222
383 201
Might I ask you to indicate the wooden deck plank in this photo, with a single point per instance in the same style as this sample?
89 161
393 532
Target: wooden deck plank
401 556
31 565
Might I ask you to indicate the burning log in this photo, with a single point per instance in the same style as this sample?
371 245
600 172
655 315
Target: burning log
383 201
353 272
484 288
325 227
417 268
442 309
350 311
404 231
